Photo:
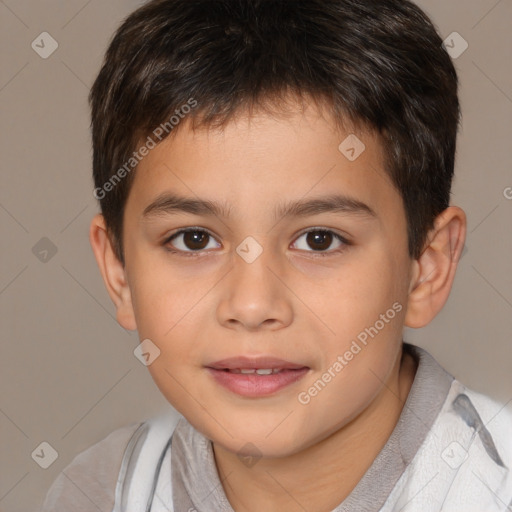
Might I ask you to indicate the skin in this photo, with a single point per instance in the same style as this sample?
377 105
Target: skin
291 302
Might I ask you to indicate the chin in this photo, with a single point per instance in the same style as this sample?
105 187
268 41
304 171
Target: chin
258 447
256 441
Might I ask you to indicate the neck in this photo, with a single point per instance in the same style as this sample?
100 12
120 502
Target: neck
337 462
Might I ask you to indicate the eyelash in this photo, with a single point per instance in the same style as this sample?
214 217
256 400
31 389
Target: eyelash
201 252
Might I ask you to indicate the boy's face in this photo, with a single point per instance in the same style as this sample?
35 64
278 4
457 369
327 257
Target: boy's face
305 299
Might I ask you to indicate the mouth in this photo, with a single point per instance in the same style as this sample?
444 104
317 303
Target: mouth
250 364
256 377
258 371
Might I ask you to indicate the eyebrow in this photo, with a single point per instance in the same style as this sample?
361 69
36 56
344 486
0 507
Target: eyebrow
171 203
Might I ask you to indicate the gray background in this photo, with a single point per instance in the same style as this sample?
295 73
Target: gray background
68 374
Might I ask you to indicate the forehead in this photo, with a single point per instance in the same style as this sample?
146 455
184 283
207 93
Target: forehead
254 162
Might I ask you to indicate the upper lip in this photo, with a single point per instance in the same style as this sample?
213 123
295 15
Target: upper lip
259 362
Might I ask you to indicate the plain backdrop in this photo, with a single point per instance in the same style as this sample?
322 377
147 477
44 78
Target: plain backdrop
68 374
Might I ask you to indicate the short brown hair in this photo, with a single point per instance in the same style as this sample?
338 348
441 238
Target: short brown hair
376 62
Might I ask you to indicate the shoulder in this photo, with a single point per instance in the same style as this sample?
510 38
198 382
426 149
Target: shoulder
480 453
465 461
88 482
481 421
489 420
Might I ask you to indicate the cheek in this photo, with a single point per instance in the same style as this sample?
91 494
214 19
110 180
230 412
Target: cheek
358 295
347 394
365 308
162 300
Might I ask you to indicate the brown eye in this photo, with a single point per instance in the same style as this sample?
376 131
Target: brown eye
320 240
191 240
195 240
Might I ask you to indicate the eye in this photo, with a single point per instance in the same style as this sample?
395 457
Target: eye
190 240
320 240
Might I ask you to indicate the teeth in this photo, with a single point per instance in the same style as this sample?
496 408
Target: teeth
259 371
264 372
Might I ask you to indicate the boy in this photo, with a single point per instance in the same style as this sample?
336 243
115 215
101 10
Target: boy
274 179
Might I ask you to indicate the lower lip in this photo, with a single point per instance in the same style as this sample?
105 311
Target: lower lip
254 385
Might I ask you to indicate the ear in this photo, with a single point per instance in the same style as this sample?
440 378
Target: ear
113 272
434 271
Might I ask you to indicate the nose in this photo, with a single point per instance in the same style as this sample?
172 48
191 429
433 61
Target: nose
253 298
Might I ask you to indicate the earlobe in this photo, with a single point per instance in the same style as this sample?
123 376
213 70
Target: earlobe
434 271
113 272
